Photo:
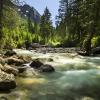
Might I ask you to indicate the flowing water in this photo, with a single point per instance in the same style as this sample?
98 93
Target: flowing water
75 78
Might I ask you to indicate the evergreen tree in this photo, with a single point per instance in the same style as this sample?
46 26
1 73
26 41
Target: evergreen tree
81 18
60 19
36 28
30 26
46 24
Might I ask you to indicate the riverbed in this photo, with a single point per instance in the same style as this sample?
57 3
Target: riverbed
75 78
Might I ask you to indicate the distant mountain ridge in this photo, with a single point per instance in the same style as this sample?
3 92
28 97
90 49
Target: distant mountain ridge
26 10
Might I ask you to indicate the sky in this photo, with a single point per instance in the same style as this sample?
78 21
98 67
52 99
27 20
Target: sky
40 5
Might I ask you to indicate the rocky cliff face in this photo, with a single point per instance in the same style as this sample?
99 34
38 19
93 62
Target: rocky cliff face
27 11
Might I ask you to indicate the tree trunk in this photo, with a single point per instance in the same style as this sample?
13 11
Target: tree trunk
87 44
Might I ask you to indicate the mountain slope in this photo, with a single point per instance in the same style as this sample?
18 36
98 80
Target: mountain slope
27 11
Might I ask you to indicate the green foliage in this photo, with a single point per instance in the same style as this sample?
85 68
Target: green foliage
54 40
15 38
15 28
46 25
95 41
79 20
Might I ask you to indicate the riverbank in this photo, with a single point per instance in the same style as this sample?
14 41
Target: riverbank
13 64
73 74
55 50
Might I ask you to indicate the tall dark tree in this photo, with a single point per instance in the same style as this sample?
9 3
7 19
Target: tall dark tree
46 24
30 26
81 18
60 19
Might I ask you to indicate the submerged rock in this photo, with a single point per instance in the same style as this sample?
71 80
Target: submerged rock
30 72
46 68
22 68
7 81
50 60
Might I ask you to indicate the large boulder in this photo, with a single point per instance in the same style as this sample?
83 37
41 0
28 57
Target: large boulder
7 85
95 50
39 66
36 64
7 81
14 61
8 69
46 68
25 58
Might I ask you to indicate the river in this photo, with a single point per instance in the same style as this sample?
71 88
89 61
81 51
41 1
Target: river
75 78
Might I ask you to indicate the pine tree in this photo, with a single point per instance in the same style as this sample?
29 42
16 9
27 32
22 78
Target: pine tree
60 19
46 24
81 17
30 26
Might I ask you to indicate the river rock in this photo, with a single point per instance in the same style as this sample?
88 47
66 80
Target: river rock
2 60
36 64
95 50
7 81
8 69
82 53
30 72
3 98
14 61
46 68
26 59
50 60
35 45
10 53
1 67
23 68
39 66
7 85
